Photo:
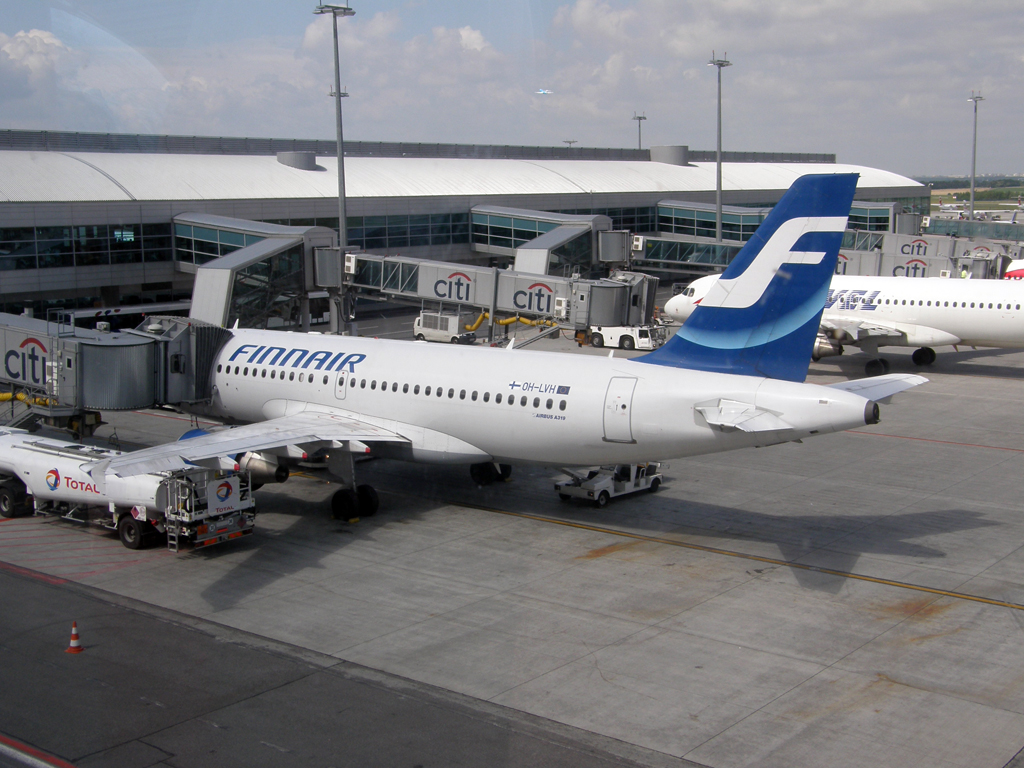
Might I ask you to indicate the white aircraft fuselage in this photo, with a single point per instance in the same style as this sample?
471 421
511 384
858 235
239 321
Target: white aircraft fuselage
920 312
457 404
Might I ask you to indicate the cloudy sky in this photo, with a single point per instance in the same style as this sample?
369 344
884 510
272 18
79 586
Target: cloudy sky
878 82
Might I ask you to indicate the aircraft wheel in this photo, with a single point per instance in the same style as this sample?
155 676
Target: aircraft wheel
483 474
504 472
597 340
654 485
344 504
130 531
367 500
626 342
876 367
923 356
602 500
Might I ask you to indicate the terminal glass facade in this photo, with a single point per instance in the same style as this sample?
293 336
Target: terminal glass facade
267 289
83 246
672 253
405 231
700 222
870 219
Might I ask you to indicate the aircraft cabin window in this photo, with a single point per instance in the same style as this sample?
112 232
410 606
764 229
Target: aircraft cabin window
352 381
511 399
536 402
405 389
487 396
373 384
325 378
497 398
451 393
473 396
929 303
561 405
218 367
341 381
427 391
263 373
972 305
990 306
245 371
394 386
522 401
549 403
309 379
945 303
291 376
236 370
416 389
999 306
911 302
273 373
462 395
904 302
1018 306
362 384
301 377
440 391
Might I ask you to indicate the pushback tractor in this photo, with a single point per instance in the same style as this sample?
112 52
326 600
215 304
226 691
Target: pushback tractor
197 505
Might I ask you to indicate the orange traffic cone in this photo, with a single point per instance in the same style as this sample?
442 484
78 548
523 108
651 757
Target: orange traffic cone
75 646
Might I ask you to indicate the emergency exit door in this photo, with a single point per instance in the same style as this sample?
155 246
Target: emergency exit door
341 385
618 404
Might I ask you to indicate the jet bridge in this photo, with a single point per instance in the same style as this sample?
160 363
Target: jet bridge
624 298
65 375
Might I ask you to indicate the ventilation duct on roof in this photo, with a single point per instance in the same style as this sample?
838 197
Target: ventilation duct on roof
677 155
304 161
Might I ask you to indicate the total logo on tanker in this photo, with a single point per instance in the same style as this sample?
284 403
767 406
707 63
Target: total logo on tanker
224 491
53 481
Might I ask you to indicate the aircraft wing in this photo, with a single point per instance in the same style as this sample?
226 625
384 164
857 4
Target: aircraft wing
881 388
307 429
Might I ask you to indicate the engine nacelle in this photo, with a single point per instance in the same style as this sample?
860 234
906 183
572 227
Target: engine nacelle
825 347
263 468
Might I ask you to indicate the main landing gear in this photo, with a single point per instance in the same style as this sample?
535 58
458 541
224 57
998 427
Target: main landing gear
348 504
489 472
354 500
879 365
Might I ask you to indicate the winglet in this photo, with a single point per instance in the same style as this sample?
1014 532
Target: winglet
762 316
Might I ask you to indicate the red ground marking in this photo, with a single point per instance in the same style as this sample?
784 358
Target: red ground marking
940 442
32 574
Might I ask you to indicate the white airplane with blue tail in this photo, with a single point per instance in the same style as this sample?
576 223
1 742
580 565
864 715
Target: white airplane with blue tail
732 377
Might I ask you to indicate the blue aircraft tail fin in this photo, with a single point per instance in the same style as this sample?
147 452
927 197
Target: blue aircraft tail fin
762 316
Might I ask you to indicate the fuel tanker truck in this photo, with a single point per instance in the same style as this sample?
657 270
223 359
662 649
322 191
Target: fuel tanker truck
200 505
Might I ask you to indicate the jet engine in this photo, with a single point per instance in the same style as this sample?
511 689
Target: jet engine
825 347
263 468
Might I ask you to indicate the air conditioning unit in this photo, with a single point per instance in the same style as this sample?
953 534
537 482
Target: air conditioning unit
638 242
350 263
926 221
945 273
561 307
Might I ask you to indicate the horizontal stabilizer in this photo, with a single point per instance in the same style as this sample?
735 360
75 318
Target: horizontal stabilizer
730 415
880 388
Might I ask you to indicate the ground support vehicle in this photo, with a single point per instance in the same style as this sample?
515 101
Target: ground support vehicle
199 505
444 327
603 484
628 336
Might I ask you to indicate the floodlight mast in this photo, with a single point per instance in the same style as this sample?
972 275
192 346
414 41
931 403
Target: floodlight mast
338 301
974 148
720 64
639 133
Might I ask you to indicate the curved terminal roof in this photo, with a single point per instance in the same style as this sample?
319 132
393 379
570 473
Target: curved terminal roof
99 177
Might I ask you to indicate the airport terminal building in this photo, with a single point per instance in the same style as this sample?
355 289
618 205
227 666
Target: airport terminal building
89 220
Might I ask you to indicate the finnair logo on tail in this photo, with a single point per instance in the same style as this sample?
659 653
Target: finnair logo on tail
744 291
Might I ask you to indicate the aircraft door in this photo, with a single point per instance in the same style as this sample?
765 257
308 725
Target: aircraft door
341 385
618 404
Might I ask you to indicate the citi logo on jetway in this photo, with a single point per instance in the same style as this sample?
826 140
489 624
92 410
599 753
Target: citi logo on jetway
455 287
536 298
25 363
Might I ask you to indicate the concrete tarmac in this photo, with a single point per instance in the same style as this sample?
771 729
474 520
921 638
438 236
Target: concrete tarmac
854 600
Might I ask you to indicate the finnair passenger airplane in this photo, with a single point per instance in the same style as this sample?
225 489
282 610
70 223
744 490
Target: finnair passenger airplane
924 312
731 378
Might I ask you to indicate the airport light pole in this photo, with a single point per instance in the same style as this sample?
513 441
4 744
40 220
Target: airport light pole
720 64
639 134
974 148
336 11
